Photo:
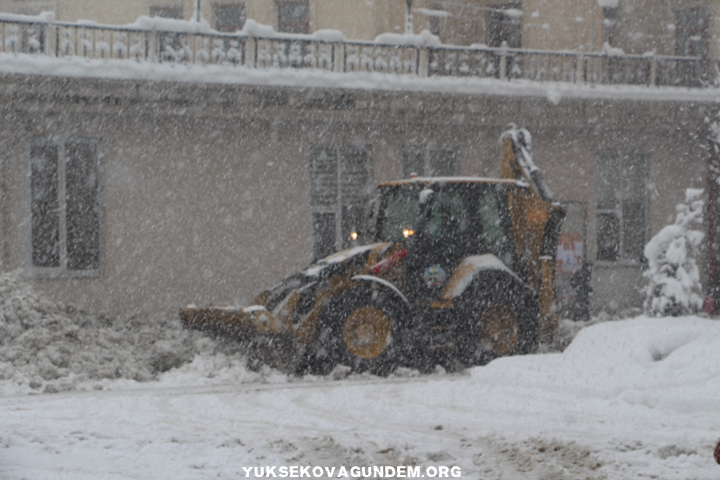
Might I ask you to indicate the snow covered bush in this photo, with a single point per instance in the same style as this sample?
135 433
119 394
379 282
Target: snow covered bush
674 287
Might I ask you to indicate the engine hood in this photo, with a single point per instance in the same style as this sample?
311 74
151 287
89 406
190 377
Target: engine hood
343 257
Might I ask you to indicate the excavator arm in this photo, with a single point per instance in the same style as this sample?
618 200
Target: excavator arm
536 220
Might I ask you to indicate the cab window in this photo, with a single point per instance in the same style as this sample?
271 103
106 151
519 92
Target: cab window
492 234
401 213
448 217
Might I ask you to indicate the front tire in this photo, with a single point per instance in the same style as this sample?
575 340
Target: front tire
360 328
497 316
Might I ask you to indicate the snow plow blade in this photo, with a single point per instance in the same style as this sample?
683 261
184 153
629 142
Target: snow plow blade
242 323
269 341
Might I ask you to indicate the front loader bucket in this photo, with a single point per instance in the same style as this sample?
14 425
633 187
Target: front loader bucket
270 341
243 323
222 320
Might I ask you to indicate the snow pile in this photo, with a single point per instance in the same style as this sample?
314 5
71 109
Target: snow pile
664 363
422 39
612 51
608 3
49 347
170 24
674 285
428 12
647 361
44 17
633 398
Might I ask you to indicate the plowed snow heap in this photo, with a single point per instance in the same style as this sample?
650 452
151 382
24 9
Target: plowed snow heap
52 347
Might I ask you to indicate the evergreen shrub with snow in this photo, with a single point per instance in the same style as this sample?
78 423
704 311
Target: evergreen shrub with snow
674 279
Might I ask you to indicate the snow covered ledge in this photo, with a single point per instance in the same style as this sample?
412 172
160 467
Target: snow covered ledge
179 42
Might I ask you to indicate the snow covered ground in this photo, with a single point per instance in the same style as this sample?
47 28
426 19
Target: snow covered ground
92 397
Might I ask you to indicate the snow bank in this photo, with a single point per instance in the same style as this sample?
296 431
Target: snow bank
673 363
49 347
608 3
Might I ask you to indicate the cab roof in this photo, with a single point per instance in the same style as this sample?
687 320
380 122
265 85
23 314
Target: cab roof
455 180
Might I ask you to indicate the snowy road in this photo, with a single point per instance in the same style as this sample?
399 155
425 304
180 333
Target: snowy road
630 399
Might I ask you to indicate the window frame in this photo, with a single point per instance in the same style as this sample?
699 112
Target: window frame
61 143
218 7
618 210
436 24
687 32
293 25
503 27
158 10
338 207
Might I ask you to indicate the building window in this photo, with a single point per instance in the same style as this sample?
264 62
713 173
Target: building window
64 206
435 22
611 25
429 161
503 23
229 17
340 183
293 16
167 12
691 25
621 205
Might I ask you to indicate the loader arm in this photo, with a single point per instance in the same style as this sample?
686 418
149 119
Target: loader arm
536 220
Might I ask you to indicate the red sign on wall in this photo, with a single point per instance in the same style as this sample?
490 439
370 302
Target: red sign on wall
570 253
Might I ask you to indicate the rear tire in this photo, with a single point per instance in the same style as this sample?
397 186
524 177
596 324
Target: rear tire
361 328
497 316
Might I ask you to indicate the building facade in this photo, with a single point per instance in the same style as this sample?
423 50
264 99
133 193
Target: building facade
135 196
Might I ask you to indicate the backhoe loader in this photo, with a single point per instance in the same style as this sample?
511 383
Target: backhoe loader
454 271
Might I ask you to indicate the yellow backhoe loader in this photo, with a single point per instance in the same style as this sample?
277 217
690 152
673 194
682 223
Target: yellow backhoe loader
451 271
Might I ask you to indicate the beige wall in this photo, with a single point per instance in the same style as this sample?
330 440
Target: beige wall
651 26
563 25
331 14
206 187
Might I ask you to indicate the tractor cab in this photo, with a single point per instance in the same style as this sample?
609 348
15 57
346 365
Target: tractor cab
440 222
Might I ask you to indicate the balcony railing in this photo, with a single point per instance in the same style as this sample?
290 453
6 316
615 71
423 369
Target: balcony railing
187 45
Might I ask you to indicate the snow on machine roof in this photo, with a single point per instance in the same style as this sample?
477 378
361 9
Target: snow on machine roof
438 180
